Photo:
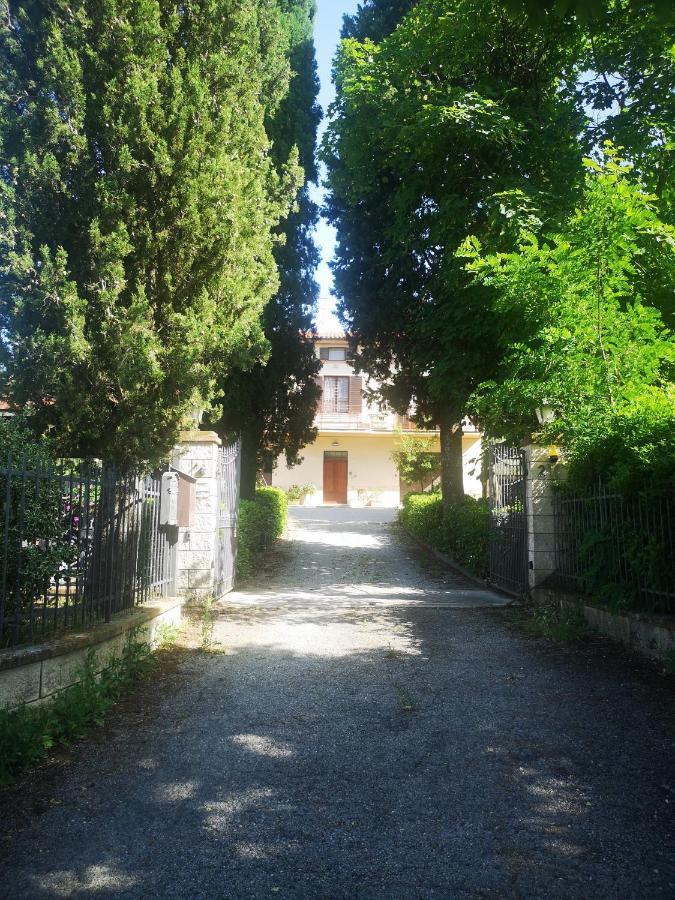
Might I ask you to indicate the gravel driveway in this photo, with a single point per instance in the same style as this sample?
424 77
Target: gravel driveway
355 735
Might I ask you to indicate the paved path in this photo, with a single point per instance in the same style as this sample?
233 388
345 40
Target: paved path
336 751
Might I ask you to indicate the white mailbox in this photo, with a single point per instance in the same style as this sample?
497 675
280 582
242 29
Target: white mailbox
168 503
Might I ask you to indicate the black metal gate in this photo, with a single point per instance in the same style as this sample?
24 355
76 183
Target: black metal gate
508 519
229 472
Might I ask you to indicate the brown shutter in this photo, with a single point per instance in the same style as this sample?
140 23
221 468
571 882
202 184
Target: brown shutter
323 352
355 395
319 381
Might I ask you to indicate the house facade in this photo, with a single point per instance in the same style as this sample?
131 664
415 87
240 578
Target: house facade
350 462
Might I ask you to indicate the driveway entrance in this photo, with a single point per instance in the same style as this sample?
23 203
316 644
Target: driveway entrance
342 738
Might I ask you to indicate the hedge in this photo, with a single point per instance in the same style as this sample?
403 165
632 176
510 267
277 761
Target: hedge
261 522
462 531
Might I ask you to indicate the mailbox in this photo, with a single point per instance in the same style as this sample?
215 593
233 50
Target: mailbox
178 500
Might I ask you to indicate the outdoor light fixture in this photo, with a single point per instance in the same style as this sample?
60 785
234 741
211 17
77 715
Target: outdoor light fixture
545 413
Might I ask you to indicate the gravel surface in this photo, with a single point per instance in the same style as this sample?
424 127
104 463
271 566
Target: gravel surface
332 751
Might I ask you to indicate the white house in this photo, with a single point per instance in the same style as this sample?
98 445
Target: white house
351 460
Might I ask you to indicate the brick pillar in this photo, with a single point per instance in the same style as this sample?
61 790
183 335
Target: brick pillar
540 520
196 454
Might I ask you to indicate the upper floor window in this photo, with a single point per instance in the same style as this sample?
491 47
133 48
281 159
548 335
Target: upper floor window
333 354
336 394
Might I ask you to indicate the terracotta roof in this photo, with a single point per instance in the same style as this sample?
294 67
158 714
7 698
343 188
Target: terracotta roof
331 336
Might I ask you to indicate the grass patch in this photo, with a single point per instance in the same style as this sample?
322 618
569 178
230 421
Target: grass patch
552 621
27 734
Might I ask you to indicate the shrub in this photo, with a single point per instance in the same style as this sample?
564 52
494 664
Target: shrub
34 513
299 491
261 522
462 531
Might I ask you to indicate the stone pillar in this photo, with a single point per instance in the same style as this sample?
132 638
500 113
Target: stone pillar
540 519
196 454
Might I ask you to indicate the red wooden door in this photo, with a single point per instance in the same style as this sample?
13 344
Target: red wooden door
334 477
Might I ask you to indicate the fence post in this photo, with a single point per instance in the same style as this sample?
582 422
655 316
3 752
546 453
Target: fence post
196 454
540 515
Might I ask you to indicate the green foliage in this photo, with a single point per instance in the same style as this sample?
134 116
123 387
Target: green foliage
34 522
300 491
26 734
416 459
465 120
139 199
554 621
375 19
272 404
453 123
584 334
460 530
261 522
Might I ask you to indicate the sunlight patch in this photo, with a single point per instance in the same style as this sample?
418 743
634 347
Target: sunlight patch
93 878
169 793
263 746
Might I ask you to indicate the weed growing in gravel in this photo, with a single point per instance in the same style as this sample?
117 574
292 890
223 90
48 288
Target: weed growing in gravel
208 622
166 636
405 701
27 733
553 621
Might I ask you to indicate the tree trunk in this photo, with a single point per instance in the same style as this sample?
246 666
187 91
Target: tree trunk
249 464
452 464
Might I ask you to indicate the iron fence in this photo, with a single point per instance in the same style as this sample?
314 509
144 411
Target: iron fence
78 543
508 519
618 548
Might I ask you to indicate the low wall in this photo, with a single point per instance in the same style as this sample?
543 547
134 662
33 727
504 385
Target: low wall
650 635
35 673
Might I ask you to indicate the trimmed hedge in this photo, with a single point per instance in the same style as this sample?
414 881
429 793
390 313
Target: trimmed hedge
462 532
261 522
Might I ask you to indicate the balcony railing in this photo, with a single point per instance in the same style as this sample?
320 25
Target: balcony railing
385 422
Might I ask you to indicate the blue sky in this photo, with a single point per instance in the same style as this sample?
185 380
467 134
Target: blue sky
326 36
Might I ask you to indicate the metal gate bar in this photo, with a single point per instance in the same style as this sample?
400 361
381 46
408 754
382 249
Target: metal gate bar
229 474
508 519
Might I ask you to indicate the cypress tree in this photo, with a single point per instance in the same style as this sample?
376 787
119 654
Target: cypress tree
138 199
272 406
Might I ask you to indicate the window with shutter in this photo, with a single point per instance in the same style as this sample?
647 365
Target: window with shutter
336 394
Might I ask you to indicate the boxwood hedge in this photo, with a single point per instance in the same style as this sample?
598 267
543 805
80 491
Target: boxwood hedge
261 522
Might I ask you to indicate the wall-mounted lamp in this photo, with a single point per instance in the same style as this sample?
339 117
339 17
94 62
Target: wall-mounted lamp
545 413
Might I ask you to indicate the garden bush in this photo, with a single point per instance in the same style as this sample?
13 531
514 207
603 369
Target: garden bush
35 519
261 522
462 531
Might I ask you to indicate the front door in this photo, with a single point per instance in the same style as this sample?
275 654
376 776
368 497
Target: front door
335 476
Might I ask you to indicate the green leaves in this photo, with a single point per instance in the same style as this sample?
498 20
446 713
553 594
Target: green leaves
587 334
139 205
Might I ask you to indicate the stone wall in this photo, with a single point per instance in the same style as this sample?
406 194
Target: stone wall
34 674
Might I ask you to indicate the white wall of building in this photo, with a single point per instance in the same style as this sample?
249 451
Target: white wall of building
372 477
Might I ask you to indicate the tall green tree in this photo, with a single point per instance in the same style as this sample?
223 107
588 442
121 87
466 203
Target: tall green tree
272 406
139 198
375 19
455 123
584 335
